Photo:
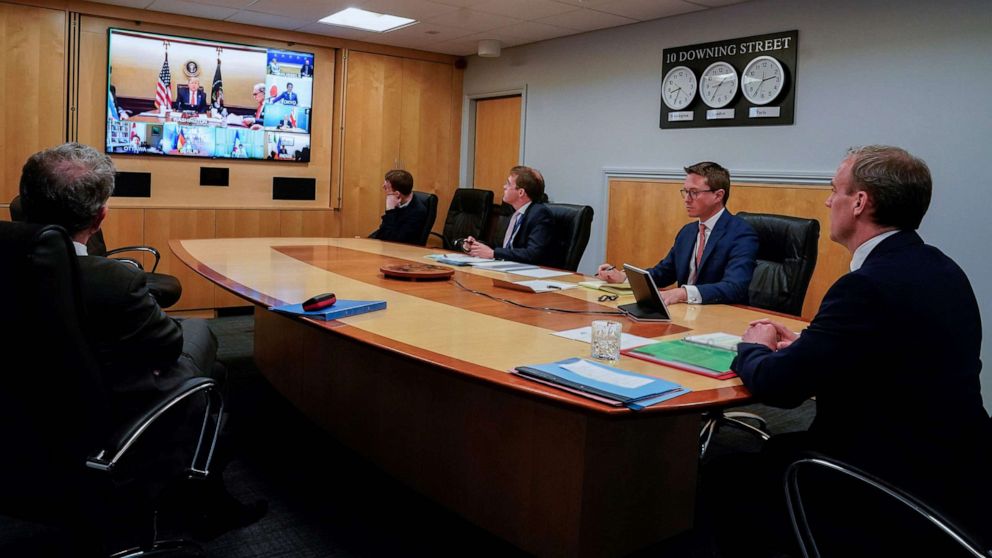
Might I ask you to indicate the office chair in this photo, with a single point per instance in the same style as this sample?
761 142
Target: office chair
165 288
571 233
898 523
430 201
787 249
467 216
499 220
70 461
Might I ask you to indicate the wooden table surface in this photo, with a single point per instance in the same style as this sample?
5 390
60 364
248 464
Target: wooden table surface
422 389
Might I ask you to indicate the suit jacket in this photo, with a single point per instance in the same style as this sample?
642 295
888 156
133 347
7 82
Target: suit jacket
726 267
286 97
403 224
895 371
134 341
182 101
533 242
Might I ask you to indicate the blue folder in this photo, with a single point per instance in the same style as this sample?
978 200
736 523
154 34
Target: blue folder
341 309
654 391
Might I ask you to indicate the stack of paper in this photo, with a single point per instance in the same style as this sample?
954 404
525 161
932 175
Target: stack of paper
458 259
690 357
603 383
612 288
536 286
719 340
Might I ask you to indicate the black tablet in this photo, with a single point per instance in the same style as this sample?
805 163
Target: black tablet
650 307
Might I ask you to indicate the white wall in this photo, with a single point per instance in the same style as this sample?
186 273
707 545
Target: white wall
912 73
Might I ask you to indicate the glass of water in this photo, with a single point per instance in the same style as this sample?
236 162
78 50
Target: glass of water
606 340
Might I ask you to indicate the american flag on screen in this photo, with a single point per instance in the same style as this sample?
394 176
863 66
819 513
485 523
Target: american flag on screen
163 91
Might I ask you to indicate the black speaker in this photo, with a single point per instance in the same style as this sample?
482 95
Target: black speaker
285 188
133 185
214 176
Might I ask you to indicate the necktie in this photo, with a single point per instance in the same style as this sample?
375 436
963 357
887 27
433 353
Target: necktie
511 230
192 98
700 246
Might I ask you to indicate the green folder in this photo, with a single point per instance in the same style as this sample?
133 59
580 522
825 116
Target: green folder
693 357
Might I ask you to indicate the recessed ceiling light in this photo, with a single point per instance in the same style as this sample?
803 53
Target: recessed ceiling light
367 21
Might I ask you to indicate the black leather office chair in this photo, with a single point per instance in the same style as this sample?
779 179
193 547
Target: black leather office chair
429 200
467 216
572 227
499 220
165 288
858 514
787 249
68 461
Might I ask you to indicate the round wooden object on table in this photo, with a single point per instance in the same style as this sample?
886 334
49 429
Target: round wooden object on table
417 272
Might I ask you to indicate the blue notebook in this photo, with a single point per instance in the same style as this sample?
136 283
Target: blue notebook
341 309
603 383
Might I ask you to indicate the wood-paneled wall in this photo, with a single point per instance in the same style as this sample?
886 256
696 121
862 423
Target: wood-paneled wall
403 106
33 43
497 141
645 216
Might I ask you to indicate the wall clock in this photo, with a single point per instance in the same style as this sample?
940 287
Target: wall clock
678 89
762 80
718 84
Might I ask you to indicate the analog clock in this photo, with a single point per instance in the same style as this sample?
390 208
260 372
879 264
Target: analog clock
763 80
678 88
718 84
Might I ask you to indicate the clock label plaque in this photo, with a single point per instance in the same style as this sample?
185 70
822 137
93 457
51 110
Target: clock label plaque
749 81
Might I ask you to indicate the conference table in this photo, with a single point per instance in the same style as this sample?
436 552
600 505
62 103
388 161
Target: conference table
423 390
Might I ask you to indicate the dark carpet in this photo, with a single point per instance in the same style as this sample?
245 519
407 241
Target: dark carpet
326 501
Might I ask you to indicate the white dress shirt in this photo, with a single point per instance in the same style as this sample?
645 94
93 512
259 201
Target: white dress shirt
861 253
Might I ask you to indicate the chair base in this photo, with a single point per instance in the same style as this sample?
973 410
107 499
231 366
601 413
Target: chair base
713 420
164 549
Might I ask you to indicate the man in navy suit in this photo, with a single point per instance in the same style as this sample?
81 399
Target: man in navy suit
528 237
287 97
192 98
895 370
713 258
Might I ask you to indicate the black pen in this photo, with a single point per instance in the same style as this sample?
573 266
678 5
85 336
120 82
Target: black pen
554 287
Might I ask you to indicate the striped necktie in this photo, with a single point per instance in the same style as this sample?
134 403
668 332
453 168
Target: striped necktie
511 231
700 246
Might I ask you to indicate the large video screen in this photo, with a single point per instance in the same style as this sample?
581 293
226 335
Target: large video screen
184 97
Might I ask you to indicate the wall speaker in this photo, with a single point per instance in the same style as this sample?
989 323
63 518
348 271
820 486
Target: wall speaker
133 185
285 188
214 176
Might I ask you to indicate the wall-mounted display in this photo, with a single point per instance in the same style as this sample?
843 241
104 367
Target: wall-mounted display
761 68
168 96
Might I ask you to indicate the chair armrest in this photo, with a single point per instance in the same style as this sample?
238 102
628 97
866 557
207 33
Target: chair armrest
147 249
444 241
129 433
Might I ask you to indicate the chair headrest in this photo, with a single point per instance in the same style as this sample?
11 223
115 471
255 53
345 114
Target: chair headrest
782 237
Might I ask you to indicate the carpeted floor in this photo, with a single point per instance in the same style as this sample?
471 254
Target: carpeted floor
326 501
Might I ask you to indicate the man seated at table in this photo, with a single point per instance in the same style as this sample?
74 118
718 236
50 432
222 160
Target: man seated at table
895 372
141 351
713 258
192 98
529 234
405 215
256 121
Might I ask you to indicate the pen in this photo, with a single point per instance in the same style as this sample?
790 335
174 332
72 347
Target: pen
611 268
556 287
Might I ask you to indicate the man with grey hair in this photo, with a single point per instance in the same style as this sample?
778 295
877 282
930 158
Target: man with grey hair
140 349
895 373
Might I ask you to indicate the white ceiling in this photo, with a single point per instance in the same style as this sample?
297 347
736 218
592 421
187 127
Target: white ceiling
447 26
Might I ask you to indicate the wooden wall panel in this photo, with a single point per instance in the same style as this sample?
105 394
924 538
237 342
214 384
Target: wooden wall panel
372 120
126 227
32 71
426 130
309 223
497 142
645 215
161 225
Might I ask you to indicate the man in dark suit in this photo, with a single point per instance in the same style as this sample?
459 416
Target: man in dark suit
405 215
529 234
713 258
140 349
287 97
192 98
895 371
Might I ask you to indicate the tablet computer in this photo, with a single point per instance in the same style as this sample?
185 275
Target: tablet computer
650 307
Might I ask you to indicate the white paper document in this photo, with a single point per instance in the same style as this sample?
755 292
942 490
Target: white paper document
546 286
539 273
589 370
584 334
512 267
460 258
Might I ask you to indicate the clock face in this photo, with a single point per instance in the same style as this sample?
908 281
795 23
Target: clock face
718 84
763 80
678 88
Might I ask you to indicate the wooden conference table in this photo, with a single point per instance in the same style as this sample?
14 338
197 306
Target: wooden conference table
422 390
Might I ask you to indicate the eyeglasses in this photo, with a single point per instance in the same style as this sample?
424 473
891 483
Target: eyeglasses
693 194
604 298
